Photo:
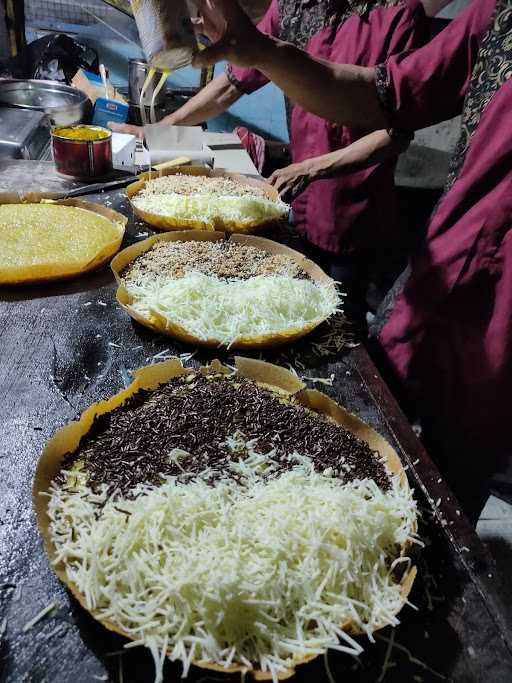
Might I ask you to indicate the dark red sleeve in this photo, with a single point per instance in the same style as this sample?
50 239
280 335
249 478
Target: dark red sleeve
406 28
249 80
428 85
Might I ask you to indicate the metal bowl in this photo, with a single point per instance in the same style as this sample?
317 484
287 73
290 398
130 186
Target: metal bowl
64 105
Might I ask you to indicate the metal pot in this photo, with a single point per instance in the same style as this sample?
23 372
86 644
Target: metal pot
137 74
83 159
64 105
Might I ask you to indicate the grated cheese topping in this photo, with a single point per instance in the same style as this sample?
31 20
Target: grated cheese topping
211 308
40 615
213 211
258 571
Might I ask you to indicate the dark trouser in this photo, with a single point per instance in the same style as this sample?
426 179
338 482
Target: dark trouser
468 476
467 468
352 278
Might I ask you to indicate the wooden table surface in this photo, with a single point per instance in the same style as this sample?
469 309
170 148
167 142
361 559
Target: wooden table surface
64 346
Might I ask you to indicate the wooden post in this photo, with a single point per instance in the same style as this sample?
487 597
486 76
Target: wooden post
15 19
4 36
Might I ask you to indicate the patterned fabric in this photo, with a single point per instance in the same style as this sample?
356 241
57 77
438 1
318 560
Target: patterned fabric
382 85
355 212
302 19
383 88
253 144
493 68
387 305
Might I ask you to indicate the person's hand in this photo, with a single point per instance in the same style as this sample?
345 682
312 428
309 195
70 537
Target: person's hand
235 37
138 131
291 181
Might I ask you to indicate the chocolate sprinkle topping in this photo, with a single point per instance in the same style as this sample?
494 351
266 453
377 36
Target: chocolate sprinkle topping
132 444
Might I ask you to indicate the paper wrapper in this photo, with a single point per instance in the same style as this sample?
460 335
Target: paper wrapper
73 269
164 326
171 223
67 439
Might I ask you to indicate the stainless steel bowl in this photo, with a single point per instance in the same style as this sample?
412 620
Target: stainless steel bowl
64 105
137 73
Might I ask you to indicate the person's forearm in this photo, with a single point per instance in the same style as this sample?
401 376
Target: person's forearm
337 92
209 102
372 149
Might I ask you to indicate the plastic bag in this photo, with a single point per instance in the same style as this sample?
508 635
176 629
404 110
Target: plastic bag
56 57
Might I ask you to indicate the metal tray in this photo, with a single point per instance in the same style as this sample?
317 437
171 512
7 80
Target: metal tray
23 134
63 104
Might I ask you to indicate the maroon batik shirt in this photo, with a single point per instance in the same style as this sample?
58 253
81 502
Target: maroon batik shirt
356 210
447 331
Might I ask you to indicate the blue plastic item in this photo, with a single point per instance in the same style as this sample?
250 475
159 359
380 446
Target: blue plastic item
109 110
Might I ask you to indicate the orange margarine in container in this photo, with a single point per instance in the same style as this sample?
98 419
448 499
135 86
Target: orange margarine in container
82 152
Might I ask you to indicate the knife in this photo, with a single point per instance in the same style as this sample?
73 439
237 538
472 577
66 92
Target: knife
101 187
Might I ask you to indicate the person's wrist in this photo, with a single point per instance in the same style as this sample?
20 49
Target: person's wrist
316 170
325 167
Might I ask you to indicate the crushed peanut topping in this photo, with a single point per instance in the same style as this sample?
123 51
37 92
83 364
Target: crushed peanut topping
199 185
224 259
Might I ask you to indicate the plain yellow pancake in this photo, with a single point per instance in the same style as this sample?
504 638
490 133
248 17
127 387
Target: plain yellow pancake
51 241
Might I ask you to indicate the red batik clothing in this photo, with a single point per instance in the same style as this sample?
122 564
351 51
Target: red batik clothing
447 331
355 211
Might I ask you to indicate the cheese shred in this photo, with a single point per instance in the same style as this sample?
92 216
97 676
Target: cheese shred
211 308
213 212
260 570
